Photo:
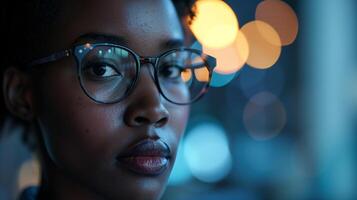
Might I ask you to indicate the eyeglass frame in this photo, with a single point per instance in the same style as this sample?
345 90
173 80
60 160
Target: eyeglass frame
209 61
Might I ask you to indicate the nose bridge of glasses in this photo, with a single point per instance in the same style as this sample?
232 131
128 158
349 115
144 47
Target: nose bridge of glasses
147 74
148 60
152 61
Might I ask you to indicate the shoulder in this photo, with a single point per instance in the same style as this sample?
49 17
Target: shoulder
29 193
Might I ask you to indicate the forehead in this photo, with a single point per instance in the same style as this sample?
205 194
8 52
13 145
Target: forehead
145 24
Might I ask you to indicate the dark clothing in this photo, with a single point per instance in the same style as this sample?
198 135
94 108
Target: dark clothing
29 193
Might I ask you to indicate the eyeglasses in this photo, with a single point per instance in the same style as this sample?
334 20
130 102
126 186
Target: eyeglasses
107 73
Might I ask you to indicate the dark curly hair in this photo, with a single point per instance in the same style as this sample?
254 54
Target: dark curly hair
25 22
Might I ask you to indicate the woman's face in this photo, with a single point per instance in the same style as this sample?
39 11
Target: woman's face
83 139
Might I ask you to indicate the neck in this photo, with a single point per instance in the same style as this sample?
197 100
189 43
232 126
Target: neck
57 185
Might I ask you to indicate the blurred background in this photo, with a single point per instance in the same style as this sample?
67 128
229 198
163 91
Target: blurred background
280 119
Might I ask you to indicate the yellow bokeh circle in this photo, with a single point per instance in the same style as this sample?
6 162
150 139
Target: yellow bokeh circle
264 44
215 24
281 17
231 58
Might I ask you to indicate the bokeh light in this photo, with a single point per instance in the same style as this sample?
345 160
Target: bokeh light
268 162
207 153
29 174
281 17
215 24
264 116
263 49
231 58
180 173
220 80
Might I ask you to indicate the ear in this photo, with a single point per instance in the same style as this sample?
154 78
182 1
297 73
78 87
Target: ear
18 93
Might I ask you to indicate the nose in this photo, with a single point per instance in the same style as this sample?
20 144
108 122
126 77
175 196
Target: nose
145 104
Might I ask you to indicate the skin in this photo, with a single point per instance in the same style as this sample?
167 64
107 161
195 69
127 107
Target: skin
80 139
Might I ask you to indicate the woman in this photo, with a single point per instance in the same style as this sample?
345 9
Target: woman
104 87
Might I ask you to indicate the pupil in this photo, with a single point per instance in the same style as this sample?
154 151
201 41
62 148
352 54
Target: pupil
99 70
167 72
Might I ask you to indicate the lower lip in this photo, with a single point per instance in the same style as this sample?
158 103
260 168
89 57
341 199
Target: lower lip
145 165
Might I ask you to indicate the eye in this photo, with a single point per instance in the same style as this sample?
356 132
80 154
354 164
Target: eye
171 71
102 70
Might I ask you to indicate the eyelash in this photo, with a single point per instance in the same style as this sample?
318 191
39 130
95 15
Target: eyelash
91 66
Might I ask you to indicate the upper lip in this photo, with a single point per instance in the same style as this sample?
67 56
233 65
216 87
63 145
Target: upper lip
148 147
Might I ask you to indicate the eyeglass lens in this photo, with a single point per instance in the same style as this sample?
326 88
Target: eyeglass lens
107 74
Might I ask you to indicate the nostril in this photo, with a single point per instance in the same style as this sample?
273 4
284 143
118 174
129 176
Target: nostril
141 120
161 122
156 116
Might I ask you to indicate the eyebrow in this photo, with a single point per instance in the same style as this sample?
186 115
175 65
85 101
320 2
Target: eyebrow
120 40
172 43
101 37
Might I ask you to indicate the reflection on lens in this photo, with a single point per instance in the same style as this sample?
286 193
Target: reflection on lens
186 75
107 73
202 74
192 80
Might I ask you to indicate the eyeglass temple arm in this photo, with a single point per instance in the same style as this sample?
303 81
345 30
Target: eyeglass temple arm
51 58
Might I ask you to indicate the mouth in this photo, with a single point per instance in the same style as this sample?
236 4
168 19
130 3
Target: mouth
147 157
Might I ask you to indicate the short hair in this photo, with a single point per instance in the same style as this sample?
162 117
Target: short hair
27 21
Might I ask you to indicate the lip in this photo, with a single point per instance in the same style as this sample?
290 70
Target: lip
148 157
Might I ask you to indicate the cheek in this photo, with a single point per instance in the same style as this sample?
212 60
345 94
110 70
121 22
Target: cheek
178 118
75 129
177 123
83 138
